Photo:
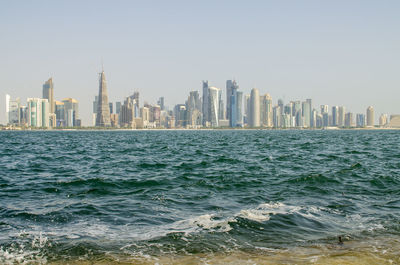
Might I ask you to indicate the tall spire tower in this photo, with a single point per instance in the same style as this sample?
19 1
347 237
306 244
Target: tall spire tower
48 92
103 109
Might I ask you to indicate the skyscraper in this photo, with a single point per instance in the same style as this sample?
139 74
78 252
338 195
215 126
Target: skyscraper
360 120
38 112
213 100
348 122
48 93
60 113
239 108
383 120
229 85
193 107
12 111
246 103
111 107
7 108
370 116
266 110
71 112
232 104
103 109
341 116
335 116
254 108
306 108
206 116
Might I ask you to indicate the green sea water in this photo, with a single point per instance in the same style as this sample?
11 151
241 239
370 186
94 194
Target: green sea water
197 197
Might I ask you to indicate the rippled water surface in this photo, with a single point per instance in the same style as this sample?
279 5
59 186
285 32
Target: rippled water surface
244 196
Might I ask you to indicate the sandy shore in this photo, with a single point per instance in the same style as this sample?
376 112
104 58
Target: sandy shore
381 251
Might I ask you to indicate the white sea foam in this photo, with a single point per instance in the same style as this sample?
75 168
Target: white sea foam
264 211
28 251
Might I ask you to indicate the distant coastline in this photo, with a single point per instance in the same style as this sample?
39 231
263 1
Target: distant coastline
8 128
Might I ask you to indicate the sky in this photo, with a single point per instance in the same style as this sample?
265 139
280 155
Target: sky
340 52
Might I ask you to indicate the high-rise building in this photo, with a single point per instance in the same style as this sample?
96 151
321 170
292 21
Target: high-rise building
239 109
60 114
335 116
232 103
38 112
213 100
111 107
221 110
8 98
348 122
383 120
306 109
161 103
117 107
103 109
277 117
127 113
71 112
206 116
254 108
360 120
297 113
280 104
23 115
324 109
370 116
394 121
246 109
266 110
193 107
341 116
325 119
313 121
48 93
12 111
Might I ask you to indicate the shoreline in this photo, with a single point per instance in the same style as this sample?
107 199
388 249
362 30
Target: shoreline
373 251
200 129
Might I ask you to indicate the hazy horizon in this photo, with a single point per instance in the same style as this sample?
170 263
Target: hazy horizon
337 53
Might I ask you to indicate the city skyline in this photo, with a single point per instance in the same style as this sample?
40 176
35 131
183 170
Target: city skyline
341 53
207 111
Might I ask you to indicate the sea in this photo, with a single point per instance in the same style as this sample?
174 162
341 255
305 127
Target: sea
200 197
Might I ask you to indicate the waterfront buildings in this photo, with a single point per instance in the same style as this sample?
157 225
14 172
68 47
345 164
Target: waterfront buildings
71 112
254 108
348 122
232 102
48 93
213 105
360 120
13 115
205 109
394 121
341 116
60 113
38 112
370 116
383 120
335 116
103 118
266 110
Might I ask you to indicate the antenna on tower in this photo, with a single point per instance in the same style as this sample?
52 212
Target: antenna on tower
102 65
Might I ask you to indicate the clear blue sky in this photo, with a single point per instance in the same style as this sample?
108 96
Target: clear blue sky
335 52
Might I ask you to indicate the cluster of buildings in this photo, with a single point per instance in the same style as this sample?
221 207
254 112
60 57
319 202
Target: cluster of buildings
208 110
241 110
42 112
